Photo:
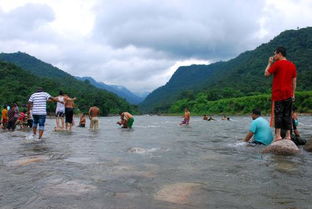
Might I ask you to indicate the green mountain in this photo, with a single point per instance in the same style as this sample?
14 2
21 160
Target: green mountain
241 76
17 83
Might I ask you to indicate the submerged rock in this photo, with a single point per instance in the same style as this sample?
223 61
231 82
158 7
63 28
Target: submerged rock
308 146
28 160
74 188
178 193
282 147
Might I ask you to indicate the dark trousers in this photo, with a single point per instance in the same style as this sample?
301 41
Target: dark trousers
282 112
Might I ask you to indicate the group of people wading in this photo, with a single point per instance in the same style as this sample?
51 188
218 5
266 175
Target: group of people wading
37 113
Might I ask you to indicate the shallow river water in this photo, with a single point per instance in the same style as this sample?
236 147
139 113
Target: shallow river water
157 164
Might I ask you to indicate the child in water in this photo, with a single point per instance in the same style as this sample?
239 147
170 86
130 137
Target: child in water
187 116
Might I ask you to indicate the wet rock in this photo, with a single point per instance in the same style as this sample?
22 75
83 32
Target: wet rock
178 193
28 160
308 146
282 147
74 188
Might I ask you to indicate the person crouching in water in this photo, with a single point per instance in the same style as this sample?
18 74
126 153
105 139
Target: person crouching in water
82 121
94 112
187 116
126 120
259 129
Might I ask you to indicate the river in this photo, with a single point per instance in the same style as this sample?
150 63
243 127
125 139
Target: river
156 165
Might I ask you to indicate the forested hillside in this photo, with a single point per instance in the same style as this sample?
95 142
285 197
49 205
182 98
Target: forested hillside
241 76
16 85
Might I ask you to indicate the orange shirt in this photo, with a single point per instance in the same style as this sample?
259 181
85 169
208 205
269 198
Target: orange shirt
5 114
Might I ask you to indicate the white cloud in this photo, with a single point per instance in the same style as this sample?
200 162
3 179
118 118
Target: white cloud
140 43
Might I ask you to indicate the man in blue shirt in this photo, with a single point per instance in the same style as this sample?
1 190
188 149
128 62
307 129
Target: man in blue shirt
259 129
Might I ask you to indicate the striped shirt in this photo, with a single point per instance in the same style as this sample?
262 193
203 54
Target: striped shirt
39 100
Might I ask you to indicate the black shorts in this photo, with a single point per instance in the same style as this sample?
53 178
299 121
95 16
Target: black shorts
60 114
282 113
69 113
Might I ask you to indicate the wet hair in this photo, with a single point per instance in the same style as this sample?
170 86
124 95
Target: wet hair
256 111
120 112
61 93
281 50
294 108
39 89
5 106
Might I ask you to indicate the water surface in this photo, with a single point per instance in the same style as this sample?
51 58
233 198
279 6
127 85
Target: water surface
157 164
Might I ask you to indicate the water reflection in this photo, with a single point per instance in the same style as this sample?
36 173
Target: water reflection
158 164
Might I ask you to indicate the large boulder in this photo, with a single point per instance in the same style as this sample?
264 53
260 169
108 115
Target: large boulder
308 146
282 147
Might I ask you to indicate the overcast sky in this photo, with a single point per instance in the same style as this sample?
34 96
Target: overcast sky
140 43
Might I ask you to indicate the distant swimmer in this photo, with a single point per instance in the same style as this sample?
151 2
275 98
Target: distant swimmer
126 120
94 112
187 117
82 121
60 111
225 118
69 111
38 101
259 129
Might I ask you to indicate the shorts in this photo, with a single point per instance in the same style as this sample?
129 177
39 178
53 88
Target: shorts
39 119
130 122
282 113
60 114
69 113
12 124
255 143
94 123
82 125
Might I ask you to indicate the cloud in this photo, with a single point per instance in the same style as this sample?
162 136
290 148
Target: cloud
182 29
140 43
28 22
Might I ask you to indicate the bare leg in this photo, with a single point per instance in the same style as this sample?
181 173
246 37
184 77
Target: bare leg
278 134
62 121
34 130
288 135
40 133
57 122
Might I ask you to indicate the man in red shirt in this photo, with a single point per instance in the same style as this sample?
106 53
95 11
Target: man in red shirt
283 90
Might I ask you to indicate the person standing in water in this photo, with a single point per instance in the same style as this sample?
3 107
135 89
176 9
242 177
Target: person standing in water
69 111
60 111
126 120
187 117
94 112
38 101
283 90
4 120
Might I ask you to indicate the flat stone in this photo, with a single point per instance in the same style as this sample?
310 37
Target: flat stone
178 193
28 160
74 188
282 147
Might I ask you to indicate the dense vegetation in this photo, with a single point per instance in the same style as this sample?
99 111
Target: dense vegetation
16 85
199 104
239 77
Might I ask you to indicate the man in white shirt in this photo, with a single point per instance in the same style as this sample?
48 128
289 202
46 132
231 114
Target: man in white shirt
60 111
38 101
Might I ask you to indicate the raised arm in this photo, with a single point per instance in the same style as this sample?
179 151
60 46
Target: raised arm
266 71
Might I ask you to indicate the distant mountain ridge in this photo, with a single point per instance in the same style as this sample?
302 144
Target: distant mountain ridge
119 90
240 76
53 79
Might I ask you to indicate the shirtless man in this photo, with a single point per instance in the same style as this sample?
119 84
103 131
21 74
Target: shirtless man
94 111
187 116
69 111
126 120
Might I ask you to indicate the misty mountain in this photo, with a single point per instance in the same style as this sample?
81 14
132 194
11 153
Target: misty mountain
119 90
